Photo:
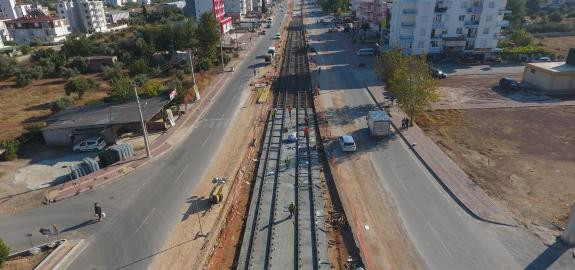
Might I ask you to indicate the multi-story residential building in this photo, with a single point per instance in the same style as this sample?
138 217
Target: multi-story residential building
553 3
373 12
8 9
460 27
38 27
117 16
119 3
176 4
235 8
195 8
83 16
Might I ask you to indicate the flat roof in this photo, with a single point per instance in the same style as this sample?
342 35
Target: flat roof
553 66
105 114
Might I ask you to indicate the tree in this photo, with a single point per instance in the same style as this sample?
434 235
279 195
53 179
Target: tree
208 37
4 252
122 89
140 66
79 86
113 72
517 8
79 63
77 45
7 66
150 88
412 85
23 77
532 6
521 37
68 73
61 104
555 16
386 64
11 148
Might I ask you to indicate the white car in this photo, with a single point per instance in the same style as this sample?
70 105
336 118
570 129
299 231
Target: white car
90 144
278 36
347 143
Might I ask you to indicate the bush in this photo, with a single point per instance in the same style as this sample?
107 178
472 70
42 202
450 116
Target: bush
7 66
227 58
25 49
151 88
555 16
61 104
180 74
37 72
23 78
33 132
4 252
112 73
11 148
140 66
79 85
79 63
122 89
68 73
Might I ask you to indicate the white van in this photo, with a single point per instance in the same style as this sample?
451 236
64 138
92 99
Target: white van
366 51
272 51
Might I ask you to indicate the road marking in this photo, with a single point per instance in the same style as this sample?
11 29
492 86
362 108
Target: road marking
145 219
205 141
398 179
183 171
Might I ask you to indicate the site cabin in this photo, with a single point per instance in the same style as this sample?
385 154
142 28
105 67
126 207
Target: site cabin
379 124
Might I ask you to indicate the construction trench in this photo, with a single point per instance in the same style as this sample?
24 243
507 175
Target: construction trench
288 171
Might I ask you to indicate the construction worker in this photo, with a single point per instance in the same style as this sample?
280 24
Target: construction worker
291 209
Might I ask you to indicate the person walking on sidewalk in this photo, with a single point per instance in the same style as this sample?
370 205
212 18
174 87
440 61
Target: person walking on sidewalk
98 211
291 209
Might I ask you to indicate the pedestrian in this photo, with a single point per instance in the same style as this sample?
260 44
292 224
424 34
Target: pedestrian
255 72
305 131
273 113
291 209
306 121
98 211
56 230
407 122
392 99
402 123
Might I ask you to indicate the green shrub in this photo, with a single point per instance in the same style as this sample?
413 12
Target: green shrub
33 132
23 78
79 85
11 148
62 104
4 252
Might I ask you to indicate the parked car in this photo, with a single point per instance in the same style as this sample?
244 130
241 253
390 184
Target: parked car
437 73
277 36
347 143
508 83
90 144
545 59
366 51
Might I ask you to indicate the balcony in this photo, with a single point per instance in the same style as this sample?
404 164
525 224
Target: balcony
504 11
408 24
437 37
503 23
471 35
410 11
474 10
472 23
438 24
440 9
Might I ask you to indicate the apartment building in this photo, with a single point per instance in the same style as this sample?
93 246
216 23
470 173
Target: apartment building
373 12
470 28
8 9
84 16
195 8
38 27
235 8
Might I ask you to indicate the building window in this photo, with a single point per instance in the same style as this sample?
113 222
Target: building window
434 44
486 31
491 4
459 31
489 18
420 44
461 18
437 18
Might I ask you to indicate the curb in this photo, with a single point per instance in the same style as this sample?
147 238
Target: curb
469 210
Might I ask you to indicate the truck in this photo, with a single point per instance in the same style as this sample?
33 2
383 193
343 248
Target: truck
379 123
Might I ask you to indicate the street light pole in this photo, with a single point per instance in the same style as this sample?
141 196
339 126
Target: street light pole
143 123
221 46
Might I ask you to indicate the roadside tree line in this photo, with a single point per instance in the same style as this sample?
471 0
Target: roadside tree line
409 79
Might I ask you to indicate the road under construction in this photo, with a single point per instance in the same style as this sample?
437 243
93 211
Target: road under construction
288 172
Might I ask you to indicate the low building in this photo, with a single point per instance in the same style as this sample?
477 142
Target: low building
84 16
38 27
103 119
95 63
552 78
235 8
117 16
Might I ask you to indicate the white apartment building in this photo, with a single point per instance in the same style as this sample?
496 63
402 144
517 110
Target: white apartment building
235 8
84 16
38 27
119 3
8 9
458 27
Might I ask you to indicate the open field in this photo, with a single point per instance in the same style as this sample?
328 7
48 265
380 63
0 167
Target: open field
522 157
559 45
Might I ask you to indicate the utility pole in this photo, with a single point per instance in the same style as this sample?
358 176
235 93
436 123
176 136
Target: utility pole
143 123
199 219
192 65
221 46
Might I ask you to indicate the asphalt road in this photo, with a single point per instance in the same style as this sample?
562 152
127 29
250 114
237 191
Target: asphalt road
143 207
445 236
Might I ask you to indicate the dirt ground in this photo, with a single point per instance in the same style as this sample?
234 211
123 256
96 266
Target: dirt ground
25 263
482 89
559 45
522 157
